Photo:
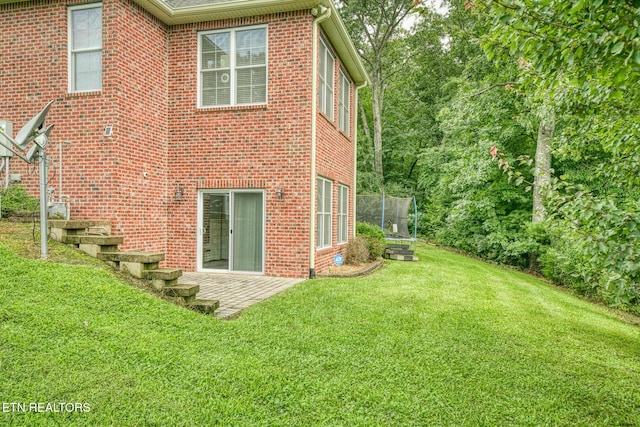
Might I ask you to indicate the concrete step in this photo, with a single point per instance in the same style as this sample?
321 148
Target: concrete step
132 256
205 306
162 277
59 228
183 290
163 273
92 240
404 257
77 224
397 246
134 263
399 251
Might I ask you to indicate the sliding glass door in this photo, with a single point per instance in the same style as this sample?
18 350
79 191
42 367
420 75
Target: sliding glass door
231 231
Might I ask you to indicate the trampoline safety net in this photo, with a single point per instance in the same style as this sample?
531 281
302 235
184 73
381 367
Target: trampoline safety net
391 214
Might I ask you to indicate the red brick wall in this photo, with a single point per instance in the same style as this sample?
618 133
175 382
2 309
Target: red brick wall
265 147
335 155
161 139
102 175
140 65
33 71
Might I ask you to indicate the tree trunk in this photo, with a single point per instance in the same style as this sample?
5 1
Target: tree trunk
365 123
542 172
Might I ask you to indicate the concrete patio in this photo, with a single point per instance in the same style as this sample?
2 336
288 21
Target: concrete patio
236 292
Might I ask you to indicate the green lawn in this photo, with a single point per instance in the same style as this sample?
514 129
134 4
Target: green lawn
445 341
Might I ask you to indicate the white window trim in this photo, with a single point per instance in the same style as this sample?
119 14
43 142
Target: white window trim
328 105
232 65
70 51
343 213
323 213
344 107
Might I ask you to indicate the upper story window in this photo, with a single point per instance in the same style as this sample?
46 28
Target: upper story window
344 103
325 91
233 67
85 48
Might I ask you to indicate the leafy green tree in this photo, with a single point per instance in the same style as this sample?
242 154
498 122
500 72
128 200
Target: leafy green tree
375 27
467 203
585 55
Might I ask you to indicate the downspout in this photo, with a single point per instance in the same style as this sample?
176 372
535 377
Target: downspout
321 13
354 202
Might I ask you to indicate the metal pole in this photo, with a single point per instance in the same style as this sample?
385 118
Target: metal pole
3 166
60 194
382 221
415 219
44 229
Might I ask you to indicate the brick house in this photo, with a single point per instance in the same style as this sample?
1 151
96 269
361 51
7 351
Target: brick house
221 132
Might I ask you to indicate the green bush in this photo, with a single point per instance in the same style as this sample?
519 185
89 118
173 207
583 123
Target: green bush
16 199
592 264
374 237
357 251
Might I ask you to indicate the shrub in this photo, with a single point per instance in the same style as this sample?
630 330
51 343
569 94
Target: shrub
374 238
592 265
357 251
16 199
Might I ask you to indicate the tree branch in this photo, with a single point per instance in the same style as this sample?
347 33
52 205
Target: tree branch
489 89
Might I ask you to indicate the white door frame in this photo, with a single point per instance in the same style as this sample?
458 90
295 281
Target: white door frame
201 229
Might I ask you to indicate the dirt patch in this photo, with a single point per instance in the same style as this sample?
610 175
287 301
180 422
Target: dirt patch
352 270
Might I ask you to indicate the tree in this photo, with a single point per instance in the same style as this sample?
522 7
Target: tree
585 55
542 169
374 25
467 203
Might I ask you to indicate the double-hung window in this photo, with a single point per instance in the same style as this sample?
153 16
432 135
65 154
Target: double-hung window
326 83
323 209
344 104
343 213
85 48
233 67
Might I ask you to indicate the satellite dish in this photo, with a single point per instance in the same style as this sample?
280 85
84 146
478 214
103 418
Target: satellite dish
43 137
29 132
32 153
41 142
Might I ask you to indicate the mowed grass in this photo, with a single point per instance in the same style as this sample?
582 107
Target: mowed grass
445 341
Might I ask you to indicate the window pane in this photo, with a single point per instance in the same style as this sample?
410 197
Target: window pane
323 211
343 219
86 28
250 47
252 85
215 51
323 60
330 86
327 230
319 228
321 96
344 107
216 88
88 71
327 196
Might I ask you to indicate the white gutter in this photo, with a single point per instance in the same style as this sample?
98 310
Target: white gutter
324 14
355 155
